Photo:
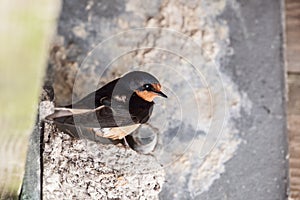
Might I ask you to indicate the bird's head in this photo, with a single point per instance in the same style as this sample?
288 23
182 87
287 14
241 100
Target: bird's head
143 84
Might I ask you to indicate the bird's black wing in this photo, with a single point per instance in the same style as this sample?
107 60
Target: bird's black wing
102 117
100 97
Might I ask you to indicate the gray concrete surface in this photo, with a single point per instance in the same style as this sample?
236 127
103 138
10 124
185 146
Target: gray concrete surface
259 169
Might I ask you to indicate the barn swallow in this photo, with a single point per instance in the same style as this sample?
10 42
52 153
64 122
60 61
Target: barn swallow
113 111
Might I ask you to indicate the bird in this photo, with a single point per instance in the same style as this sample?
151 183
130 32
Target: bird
113 111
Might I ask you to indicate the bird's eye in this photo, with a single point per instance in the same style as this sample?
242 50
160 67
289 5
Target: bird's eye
148 87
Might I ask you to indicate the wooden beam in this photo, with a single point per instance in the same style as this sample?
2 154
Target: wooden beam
292 10
293 35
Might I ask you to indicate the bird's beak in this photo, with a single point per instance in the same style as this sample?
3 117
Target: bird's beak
156 89
161 94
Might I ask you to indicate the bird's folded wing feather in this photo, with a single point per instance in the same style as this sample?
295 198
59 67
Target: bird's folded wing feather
97 98
94 124
102 117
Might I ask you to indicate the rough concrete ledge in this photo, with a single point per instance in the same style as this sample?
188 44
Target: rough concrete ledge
82 169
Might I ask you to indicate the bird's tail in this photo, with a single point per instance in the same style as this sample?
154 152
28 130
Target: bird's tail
63 112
